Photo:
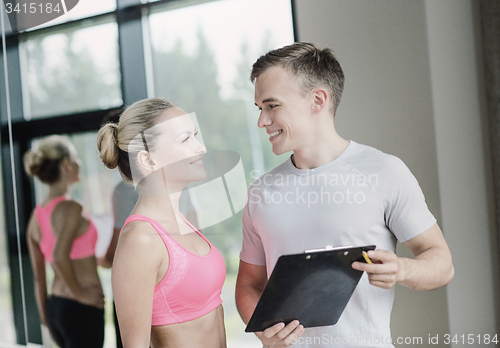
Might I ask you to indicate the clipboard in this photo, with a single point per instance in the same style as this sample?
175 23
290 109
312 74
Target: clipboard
313 287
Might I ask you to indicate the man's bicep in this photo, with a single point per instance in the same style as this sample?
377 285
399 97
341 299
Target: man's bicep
405 210
252 275
252 249
431 238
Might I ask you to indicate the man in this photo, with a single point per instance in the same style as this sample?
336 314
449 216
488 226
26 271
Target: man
331 191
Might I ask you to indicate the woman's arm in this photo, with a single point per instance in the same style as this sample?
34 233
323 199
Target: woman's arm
38 267
106 260
67 220
138 258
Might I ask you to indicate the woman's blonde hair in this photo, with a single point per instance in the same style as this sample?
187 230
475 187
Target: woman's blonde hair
117 143
44 161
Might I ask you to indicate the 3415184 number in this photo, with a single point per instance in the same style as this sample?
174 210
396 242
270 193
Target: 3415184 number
471 339
32 8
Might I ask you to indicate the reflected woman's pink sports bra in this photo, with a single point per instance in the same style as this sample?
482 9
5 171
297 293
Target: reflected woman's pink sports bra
83 246
192 285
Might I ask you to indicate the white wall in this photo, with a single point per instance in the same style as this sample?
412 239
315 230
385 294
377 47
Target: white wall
459 144
405 64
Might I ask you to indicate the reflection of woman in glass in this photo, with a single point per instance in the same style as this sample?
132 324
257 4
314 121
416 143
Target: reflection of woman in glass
167 277
61 232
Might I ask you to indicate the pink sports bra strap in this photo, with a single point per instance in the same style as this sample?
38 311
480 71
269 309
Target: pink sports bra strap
167 239
52 204
196 230
139 217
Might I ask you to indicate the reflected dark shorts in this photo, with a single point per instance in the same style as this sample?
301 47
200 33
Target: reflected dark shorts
75 325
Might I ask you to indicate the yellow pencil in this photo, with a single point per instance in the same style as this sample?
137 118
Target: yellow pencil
367 259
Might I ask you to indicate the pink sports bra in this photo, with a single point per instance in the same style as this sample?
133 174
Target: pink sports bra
192 285
83 246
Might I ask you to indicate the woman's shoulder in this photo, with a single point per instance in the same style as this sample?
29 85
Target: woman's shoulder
139 241
68 208
140 232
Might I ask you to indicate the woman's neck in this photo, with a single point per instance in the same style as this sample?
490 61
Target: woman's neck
164 210
159 201
58 189
157 207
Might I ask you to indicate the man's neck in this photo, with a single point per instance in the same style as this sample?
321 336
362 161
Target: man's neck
320 151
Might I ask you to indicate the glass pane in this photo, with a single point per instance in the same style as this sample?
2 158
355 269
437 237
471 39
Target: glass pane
83 9
201 60
94 192
7 330
202 57
71 71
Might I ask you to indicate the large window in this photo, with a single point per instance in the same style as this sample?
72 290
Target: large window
105 54
71 70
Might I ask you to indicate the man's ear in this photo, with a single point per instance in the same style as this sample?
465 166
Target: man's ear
319 99
145 160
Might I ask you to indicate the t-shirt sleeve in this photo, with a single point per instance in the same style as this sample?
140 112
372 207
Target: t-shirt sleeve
406 212
252 250
124 200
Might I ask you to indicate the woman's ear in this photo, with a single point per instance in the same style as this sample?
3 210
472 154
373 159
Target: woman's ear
145 160
65 165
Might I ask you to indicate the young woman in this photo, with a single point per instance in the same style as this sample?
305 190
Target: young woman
60 232
167 277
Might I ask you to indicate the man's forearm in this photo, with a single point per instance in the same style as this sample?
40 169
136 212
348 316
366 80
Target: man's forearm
247 298
430 270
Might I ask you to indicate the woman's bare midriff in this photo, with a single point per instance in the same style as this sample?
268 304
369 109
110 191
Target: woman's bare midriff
207 332
85 272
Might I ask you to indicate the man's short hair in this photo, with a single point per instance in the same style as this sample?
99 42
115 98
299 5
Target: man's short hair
313 66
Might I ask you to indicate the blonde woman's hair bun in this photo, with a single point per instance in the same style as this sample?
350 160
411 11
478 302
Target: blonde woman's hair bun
107 144
33 161
45 160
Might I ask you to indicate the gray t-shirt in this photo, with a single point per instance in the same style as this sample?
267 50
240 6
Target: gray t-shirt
362 197
124 200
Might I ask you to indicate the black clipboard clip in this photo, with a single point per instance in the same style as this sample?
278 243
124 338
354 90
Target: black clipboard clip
327 248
